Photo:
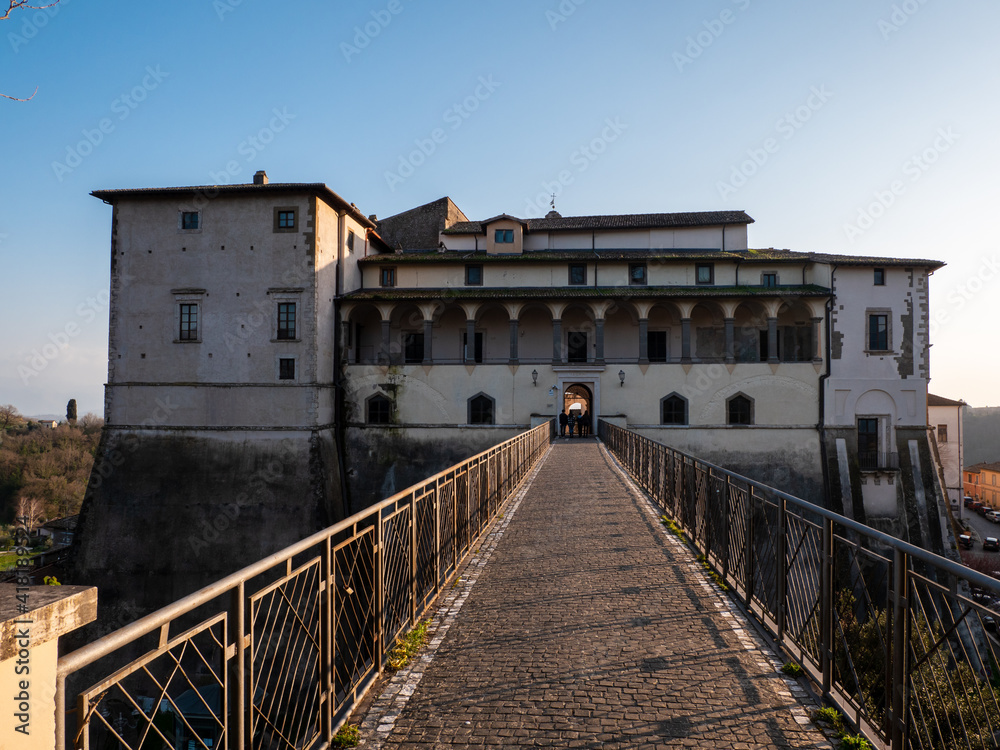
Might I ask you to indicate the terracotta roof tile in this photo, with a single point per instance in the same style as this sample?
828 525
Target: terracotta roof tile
620 221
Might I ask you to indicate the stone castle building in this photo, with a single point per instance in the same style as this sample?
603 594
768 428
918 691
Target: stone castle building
278 360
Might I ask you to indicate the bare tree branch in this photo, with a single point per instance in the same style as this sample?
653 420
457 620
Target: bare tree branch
15 5
21 100
30 512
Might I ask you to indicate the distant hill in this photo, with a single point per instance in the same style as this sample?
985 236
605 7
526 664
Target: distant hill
982 434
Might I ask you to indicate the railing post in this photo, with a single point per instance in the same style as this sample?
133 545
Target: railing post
898 717
726 526
748 549
826 615
238 708
414 557
379 574
783 566
326 640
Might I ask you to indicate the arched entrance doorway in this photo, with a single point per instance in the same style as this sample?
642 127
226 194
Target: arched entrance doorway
578 399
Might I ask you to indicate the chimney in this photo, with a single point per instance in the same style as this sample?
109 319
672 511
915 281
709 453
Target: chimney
260 178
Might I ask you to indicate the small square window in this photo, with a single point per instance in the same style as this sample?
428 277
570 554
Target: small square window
577 274
388 277
474 275
285 219
504 236
704 273
190 220
769 280
637 274
286 368
286 320
879 277
189 322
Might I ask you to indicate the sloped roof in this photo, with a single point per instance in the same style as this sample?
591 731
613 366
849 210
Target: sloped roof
986 465
619 221
933 400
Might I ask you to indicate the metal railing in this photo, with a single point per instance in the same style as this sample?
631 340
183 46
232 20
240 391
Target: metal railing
278 654
878 461
900 639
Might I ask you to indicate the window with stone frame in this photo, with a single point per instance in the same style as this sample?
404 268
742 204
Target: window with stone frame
481 409
379 410
286 321
673 410
188 322
740 410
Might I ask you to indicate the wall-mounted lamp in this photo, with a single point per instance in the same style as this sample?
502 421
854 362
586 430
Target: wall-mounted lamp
621 377
534 377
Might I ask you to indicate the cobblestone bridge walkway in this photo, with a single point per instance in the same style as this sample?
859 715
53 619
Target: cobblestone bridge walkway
582 624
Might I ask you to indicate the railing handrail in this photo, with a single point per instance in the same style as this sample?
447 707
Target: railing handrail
105 645
918 552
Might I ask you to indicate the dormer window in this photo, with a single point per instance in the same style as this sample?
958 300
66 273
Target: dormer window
504 236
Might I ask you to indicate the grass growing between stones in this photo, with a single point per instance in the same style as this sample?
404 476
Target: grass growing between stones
832 718
674 528
408 646
347 736
793 670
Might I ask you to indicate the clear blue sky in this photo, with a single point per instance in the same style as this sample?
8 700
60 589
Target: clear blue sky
803 114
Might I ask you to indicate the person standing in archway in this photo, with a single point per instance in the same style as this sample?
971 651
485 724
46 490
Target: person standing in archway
584 423
563 421
572 422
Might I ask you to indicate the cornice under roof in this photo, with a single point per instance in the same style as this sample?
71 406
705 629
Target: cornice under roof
210 191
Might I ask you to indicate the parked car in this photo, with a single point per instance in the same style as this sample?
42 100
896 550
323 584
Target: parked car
965 541
983 510
989 623
991 544
968 501
993 515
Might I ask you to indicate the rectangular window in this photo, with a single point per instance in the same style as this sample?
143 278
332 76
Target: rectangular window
286 369
504 236
704 273
473 275
942 433
413 348
388 277
350 241
879 277
285 219
477 352
286 320
656 346
868 442
189 322
190 220
769 279
766 344
878 332
577 274
637 274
